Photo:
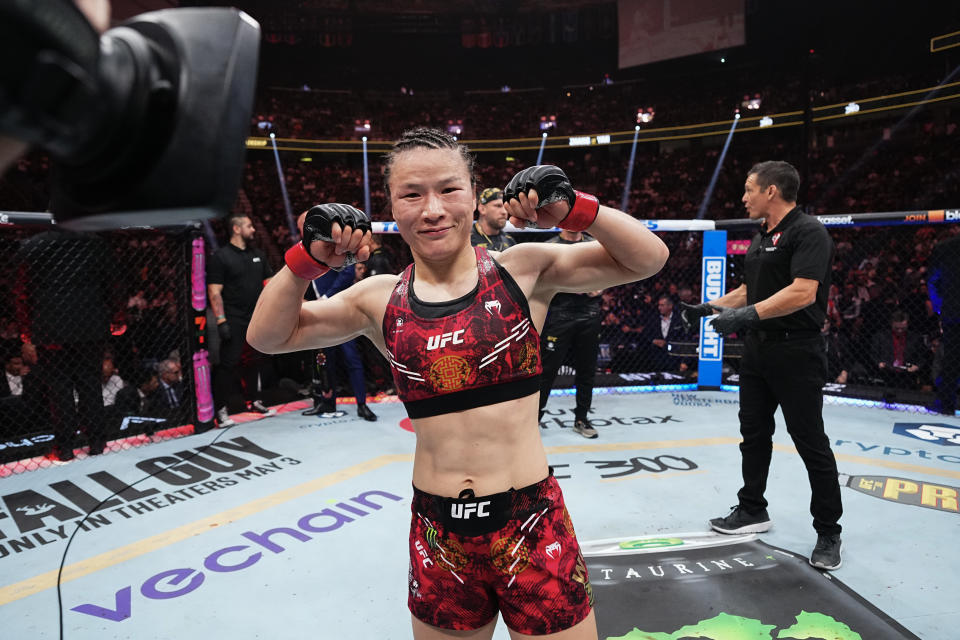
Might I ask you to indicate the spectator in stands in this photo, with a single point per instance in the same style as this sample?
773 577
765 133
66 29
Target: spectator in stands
140 399
662 329
110 382
19 395
837 348
848 305
11 383
236 274
898 354
491 219
122 344
876 309
172 400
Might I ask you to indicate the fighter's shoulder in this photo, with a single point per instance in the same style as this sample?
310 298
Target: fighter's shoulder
377 285
527 257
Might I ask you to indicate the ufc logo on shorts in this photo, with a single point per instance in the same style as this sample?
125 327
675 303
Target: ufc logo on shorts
426 561
466 511
440 341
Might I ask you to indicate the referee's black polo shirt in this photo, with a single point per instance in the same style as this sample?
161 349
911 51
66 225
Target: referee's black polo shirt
241 272
798 247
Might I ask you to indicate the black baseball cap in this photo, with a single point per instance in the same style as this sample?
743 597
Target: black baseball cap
490 193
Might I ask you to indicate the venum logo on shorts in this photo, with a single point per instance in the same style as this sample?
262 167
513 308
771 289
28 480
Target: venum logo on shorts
439 341
467 510
552 550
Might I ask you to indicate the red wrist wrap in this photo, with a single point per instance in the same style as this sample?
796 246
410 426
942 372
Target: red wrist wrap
303 264
582 214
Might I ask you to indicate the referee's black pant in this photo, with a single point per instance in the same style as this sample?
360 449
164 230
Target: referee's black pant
789 373
561 333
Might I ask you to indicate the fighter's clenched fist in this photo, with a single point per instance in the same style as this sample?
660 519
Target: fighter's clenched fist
334 236
542 196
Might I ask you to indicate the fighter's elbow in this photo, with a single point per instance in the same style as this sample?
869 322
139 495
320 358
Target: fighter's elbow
656 259
662 255
262 342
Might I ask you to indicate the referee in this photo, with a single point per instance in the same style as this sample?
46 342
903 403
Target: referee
781 306
573 323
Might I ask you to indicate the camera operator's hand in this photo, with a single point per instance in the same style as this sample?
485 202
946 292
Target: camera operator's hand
224 330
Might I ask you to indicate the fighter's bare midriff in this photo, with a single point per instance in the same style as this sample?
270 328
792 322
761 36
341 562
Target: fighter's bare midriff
488 449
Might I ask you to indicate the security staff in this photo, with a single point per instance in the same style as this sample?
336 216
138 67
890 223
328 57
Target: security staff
487 231
781 306
236 274
573 323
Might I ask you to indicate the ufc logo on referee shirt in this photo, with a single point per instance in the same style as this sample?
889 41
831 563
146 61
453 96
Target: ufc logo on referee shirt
440 341
468 510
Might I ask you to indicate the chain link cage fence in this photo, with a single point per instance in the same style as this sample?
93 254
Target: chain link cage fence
883 337
97 339
103 335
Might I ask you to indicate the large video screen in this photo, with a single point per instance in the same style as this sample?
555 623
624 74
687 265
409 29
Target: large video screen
652 30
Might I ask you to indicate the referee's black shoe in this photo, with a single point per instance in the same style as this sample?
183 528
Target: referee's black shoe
739 521
826 554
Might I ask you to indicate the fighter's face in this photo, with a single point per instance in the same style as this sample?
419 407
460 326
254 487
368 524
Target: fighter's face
432 200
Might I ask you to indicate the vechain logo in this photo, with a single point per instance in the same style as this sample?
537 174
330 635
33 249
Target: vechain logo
713 277
253 547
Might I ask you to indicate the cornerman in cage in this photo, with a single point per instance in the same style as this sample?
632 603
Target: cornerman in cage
572 325
326 369
780 307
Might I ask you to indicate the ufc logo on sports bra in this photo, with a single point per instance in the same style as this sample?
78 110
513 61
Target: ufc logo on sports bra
440 341
466 511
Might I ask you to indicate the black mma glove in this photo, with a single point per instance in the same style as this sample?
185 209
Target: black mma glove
550 183
224 330
735 320
691 314
318 226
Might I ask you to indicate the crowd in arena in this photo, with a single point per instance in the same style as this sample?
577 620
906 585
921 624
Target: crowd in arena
878 296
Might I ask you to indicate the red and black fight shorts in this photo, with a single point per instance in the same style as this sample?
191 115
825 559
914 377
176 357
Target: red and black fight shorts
515 552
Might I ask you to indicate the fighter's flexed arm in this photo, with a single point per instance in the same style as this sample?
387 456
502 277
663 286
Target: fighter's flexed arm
334 235
626 250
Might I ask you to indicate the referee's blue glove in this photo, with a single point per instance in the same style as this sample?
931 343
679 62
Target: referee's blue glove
735 320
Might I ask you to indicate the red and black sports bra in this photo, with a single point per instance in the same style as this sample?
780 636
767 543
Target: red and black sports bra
474 351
